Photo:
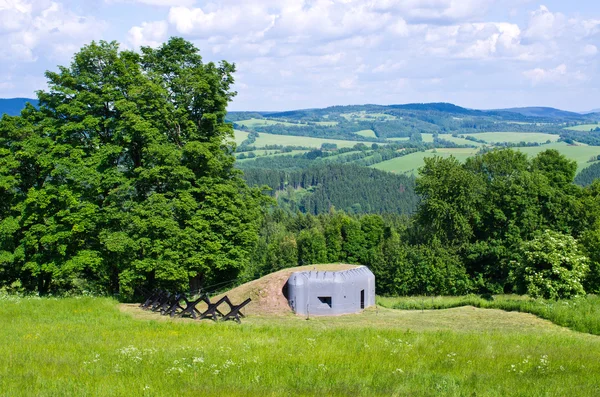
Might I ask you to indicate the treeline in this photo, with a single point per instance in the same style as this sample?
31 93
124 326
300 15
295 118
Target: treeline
351 188
498 223
359 154
588 175
591 138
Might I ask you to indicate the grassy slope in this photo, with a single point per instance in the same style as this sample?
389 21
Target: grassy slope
581 314
51 347
515 137
289 140
366 133
411 163
583 127
240 136
251 123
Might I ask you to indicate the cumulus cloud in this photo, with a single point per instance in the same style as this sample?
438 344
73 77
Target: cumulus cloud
43 27
163 3
545 25
559 74
149 34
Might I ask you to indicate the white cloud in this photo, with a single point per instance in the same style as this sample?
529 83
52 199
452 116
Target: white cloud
545 25
557 75
43 27
389 66
163 3
436 11
150 34
348 83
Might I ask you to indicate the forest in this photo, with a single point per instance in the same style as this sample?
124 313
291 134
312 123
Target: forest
124 177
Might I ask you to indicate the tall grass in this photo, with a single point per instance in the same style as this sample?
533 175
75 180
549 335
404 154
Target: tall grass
580 314
86 346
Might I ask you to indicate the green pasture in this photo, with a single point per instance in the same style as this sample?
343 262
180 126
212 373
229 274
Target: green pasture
459 141
515 137
240 136
412 162
265 139
326 123
579 153
366 133
398 139
94 346
253 123
583 127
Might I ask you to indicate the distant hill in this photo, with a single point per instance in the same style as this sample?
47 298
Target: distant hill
13 106
591 111
543 112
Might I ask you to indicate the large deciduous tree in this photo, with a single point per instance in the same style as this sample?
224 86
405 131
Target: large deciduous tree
124 175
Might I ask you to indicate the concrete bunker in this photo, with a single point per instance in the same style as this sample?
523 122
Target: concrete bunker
324 293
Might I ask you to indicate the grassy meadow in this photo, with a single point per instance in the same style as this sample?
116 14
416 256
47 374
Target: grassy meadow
252 123
366 133
515 137
94 346
583 127
265 139
240 136
412 162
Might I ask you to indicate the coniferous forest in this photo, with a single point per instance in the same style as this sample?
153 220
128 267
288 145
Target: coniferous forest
122 178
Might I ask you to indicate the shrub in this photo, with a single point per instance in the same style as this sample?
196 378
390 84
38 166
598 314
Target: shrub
550 266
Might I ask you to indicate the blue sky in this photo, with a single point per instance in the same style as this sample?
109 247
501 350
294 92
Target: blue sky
294 54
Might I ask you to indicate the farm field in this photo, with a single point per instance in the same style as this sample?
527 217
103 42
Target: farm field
252 123
240 136
515 137
583 127
327 123
412 162
94 346
366 133
449 137
265 139
398 139
580 153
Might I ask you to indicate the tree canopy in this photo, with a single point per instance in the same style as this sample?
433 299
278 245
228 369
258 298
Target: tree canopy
123 176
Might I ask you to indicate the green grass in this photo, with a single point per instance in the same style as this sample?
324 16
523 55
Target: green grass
240 136
412 162
583 127
86 346
327 123
582 314
253 123
427 137
265 139
581 154
459 141
398 139
515 137
366 133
